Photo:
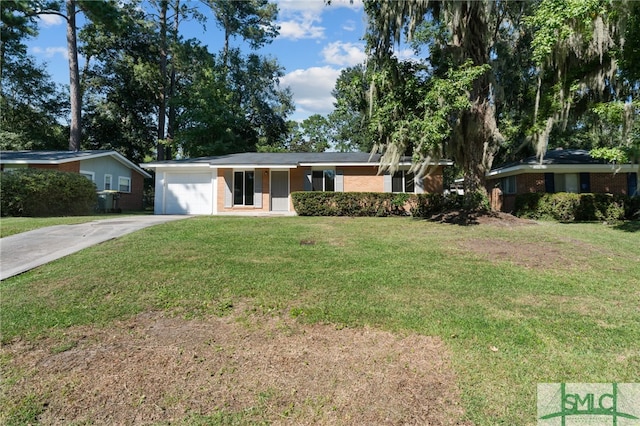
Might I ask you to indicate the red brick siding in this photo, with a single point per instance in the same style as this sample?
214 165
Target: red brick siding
362 179
134 199
73 167
609 183
530 182
434 183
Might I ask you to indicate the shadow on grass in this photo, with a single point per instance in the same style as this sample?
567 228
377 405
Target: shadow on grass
629 226
457 217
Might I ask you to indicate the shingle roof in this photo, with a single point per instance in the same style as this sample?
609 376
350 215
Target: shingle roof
293 158
48 157
281 158
557 156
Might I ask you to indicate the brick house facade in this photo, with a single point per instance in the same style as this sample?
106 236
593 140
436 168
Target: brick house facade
560 170
251 183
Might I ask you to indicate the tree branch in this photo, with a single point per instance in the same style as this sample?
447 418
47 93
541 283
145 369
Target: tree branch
48 12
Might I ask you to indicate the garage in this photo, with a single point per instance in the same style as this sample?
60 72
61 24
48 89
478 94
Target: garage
189 193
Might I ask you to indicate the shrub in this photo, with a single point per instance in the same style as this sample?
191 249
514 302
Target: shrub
569 207
39 192
351 203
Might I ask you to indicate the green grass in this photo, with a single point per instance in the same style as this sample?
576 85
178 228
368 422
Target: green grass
577 321
15 225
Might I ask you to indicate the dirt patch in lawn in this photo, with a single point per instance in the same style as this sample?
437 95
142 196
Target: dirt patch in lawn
461 217
248 367
538 255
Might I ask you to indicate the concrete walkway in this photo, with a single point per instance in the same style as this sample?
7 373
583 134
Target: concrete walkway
22 252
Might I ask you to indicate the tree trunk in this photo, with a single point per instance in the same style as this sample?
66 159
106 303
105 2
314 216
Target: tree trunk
74 78
162 96
171 125
476 136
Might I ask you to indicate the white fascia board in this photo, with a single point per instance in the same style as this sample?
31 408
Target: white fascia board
24 162
376 164
124 160
176 166
561 168
255 166
339 164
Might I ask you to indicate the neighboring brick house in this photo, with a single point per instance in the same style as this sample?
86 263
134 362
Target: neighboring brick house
263 182
109 170
561 170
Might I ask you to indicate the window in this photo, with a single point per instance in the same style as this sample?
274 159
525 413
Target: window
632 183
402 181
89 175
323 180
107 182
567 182
509 185
243 188
124 184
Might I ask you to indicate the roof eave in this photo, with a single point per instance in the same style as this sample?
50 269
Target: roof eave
560 168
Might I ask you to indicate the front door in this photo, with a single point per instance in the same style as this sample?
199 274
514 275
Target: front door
280 191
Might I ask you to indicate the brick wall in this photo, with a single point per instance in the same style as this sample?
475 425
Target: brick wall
362 179
434 183
72 166
609 183
134 199
530 182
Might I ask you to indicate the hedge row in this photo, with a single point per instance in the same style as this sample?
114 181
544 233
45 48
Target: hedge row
373 204
568 207
317 203
40 192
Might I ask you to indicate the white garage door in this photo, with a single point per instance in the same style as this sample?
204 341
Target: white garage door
189 193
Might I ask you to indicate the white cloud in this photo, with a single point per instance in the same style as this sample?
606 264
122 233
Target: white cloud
349 25
406 54
289 7
302 26
344 54
300 19
50 52
351 4
51 20
312 88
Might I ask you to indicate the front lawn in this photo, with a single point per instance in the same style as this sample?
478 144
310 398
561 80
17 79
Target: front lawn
516 305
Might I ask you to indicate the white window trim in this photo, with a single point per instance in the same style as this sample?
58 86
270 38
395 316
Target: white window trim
324 180
405 172
128 180
110 182
87 173
244 190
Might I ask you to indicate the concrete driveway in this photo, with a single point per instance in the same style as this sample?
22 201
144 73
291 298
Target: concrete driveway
22 252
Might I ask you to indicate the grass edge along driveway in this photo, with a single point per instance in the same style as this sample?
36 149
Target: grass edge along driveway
517 305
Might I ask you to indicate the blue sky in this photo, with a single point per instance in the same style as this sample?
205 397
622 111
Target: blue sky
315 43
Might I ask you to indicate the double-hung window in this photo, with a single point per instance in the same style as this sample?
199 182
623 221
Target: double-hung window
108 182
509 185
403 181
89 175
243 187
124 184
323 180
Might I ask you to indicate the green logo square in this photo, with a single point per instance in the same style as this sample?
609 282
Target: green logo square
573 404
